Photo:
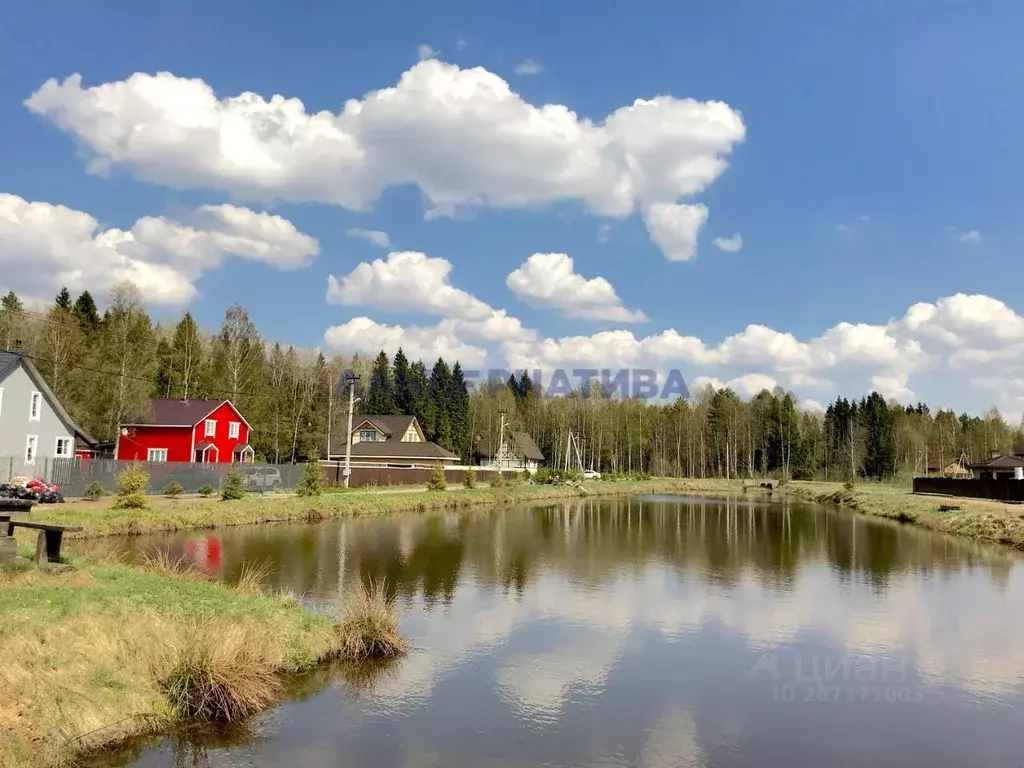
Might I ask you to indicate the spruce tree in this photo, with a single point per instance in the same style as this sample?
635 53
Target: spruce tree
458 401
63 299
86 313
440 389
422 406
404 395
380 400
11 320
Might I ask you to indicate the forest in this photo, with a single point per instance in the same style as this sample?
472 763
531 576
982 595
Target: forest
104 366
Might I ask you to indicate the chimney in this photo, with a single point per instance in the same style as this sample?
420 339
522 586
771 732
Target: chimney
994 454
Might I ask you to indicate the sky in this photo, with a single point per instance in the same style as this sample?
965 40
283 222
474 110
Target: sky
820 196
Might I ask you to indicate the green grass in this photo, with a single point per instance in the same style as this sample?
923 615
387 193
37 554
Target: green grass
90 656
193 513
978 519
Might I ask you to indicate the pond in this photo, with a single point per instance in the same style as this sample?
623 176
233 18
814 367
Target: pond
656 631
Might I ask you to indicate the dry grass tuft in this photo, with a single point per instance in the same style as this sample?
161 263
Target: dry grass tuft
253 576
369 624
219 672
159 561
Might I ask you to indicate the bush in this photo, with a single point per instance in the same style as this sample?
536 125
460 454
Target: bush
469 479
312 483
93 491
369 624
234 488
525 476
206 490
542 476
173 489
498 480
436 481
131 487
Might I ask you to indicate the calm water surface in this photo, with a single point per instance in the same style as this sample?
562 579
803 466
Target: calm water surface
655 632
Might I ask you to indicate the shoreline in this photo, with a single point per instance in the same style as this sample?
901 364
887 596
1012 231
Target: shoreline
990 522
168 515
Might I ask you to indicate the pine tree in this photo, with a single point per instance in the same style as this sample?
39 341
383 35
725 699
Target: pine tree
63 300
86 313
403 383
440 391
380 400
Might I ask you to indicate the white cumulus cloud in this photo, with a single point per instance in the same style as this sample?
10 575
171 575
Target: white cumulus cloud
44 246
408 281
550 281
674 228
367 337
372 236
462 136
732 244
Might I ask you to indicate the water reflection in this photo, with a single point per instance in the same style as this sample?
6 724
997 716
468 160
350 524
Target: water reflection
647 632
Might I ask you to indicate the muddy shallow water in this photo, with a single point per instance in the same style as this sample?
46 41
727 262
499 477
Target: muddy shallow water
661 631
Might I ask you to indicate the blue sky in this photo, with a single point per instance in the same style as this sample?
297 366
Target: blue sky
878 168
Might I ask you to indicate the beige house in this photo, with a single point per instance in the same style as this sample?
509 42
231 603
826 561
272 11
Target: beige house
388 441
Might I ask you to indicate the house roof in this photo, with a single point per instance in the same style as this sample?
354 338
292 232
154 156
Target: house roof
399 449
169 412
11 361
389 425
521 446
204 445
997 463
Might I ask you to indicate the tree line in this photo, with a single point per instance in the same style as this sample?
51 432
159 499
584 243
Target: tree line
104 366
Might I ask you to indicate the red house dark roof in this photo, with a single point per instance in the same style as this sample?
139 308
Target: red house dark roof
168 412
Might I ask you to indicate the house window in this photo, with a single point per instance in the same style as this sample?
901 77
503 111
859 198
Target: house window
64 448
367 436
211 427
411 436
31 448
156 454
35 407
233 429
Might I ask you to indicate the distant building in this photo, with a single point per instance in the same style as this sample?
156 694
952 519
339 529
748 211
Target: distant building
518 453
388 441
999 466
34 427
205 431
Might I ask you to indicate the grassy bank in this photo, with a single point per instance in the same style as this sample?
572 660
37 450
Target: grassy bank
101 519
989 521
103 653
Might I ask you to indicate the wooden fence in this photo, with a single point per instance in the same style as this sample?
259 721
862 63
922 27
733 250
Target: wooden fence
1002 489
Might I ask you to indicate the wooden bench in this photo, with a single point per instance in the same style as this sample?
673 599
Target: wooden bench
50 537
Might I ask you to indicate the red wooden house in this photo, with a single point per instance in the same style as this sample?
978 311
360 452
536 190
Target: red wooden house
201 431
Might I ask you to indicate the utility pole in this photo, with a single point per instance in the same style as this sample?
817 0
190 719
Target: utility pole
501 442
350 378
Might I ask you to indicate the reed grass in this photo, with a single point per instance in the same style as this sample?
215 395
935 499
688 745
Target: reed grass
369 624
220 672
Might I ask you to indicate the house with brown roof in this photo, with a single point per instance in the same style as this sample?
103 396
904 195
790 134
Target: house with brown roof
389 441
519 452
204 431
999 466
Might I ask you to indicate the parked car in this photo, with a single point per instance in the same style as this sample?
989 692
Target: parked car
591 475
262 478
